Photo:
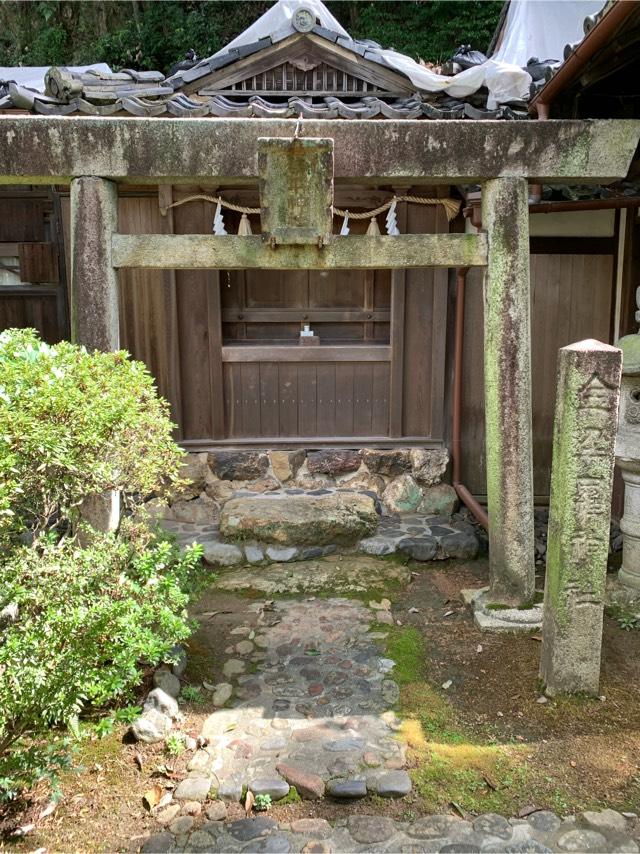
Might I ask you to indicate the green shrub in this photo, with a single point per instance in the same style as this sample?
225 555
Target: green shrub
191 694
75 424
88 621
175 744
262 803
78 625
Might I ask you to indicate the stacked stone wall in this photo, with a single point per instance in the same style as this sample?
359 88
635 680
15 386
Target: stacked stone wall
405 480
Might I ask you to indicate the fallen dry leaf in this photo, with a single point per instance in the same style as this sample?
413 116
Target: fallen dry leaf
50 807
457 808
528 810
490 783
22 831
151 797
249 802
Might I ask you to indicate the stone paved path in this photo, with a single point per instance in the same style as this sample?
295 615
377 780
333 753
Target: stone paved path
307 701
420 537
543 831
310 702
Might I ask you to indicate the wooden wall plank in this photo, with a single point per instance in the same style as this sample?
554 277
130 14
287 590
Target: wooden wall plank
306 353
288 390
418 335
250 378
344 399
269 399
571 300
326 399
363 399
193 330
22 220
38 312
380 398
38 262
439 336
397 327
214 313
307 399
232 400
170 305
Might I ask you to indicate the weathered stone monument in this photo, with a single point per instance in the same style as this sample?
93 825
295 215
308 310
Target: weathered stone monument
628 460
579 517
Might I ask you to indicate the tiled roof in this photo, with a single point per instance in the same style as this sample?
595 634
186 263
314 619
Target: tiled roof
149 93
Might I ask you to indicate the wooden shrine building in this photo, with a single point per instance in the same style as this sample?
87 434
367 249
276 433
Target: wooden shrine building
333 181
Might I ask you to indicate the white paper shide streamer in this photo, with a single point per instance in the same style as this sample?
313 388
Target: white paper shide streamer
345 225
392 220
218 221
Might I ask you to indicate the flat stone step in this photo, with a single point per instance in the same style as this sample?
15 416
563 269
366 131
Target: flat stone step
320 519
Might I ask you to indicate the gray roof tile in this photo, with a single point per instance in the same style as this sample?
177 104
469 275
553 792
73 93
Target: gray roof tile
324 33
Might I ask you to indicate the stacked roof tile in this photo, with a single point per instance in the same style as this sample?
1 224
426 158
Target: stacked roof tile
150 93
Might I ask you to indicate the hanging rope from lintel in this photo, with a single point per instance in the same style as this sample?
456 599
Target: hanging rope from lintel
451 206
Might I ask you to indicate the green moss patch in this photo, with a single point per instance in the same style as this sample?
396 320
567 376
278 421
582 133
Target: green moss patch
406 647
450 763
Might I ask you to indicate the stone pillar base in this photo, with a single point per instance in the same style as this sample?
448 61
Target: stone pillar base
629 574
490 618
629 580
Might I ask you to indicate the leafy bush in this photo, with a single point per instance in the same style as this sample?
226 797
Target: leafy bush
75 424
78 625
88 621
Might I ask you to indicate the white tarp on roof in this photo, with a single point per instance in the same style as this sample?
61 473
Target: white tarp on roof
542 28
32 76
279 16
505 82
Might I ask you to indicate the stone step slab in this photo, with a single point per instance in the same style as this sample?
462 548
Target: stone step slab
308 520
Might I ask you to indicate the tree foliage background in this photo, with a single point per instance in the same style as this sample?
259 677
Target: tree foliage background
152 34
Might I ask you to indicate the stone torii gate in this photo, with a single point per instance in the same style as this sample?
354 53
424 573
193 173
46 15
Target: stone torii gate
95 155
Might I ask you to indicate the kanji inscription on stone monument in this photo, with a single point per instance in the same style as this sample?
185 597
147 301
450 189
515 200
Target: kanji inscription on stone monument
580 511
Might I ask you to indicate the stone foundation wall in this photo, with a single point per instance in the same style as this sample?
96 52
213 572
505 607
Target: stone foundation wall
405 480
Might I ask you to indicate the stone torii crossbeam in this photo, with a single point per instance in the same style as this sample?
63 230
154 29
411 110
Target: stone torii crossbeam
95 155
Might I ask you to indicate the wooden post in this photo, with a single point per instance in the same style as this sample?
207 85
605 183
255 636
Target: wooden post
94 283
507 370
94 298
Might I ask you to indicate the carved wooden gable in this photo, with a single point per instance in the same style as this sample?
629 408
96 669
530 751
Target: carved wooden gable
304 64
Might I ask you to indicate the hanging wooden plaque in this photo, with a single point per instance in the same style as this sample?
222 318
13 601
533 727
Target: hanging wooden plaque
296 190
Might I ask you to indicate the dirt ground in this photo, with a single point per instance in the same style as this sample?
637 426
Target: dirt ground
480 739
